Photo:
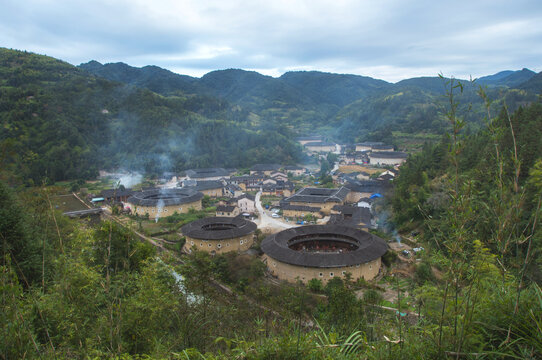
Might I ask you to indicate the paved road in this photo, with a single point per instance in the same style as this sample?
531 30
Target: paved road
268 221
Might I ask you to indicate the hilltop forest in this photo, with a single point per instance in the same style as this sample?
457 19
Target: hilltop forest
473 200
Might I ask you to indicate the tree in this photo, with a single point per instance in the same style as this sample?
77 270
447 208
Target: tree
16 237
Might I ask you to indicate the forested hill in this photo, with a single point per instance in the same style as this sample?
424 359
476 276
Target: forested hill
60 122
342 107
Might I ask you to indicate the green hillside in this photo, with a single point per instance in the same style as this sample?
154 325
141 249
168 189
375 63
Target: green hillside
342 107
60 122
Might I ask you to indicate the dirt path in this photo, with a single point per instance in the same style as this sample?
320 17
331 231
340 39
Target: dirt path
268 222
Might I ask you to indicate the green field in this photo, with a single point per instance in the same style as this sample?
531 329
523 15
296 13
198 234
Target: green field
67 203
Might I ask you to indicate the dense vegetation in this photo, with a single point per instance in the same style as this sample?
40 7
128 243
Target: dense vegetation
59 122
345 108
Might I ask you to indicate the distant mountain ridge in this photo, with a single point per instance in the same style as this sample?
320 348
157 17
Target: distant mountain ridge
507 78
340 106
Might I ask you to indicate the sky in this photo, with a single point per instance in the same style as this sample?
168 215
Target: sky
385 39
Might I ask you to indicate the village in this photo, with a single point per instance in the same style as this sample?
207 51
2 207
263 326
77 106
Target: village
306 222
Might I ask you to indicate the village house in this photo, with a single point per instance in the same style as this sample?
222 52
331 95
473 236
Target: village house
378 148
352 216
306 139
233 190
246 203
385 177
367 146
294 170
227 210
387 158
116 195
207 174
281 188
322 198
211 188
277 175
364 189
245 180
300 211
269 181
266 169
320 146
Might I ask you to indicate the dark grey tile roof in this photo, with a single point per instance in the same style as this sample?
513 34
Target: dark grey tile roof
247 196
229 227
389 155
265 167
319 195
386 177
300 208
370 143
243 178
225 208
293 167
107 193
166 196
382 147
207 185
319 143
350 216
366 186
369 247
206 173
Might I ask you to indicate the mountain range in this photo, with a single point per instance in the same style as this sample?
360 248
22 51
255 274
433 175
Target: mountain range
60 121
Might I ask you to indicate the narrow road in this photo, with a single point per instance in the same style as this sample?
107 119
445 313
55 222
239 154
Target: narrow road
266 220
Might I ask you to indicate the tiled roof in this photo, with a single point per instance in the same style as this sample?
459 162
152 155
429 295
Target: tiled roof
206 173
389 155
218 228
116 192
166 196
319 195
265 167
300 208
369 247
207 185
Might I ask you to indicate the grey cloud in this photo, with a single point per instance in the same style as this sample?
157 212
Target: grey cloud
461 37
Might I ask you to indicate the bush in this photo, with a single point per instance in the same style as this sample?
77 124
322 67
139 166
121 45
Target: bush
315 285
388 258
423 273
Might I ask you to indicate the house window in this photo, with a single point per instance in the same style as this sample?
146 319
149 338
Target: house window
370 267
331 274
241 242
201 244
219 246
344 272
191 243
274 264
321 274
210 245
228 244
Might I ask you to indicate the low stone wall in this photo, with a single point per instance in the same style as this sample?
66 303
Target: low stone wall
293 273
238 244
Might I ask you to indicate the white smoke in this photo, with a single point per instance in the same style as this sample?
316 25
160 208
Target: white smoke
130 179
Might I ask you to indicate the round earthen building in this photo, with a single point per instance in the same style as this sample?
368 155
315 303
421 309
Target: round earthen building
323 252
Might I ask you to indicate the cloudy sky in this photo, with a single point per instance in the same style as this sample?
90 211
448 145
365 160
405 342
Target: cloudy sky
385 39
